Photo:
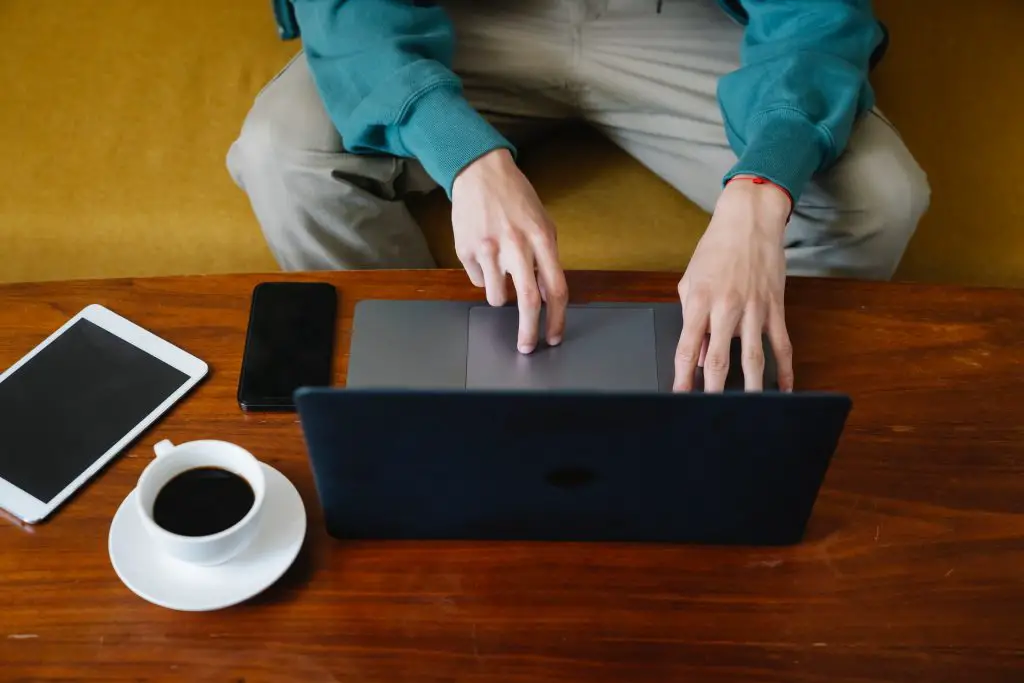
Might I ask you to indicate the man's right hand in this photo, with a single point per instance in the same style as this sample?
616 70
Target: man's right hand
502 228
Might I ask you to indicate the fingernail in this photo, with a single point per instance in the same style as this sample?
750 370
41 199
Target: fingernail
555 341
525 348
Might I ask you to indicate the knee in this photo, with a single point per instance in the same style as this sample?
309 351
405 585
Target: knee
894 195
900 198
257 155
884 193
287 127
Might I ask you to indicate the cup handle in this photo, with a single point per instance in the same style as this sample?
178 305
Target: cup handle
163 448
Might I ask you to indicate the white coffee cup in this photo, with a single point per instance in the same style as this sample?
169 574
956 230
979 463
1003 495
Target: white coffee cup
171 461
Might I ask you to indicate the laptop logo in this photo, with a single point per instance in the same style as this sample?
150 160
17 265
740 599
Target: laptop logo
569 478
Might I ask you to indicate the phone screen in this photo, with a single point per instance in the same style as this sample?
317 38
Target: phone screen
290 343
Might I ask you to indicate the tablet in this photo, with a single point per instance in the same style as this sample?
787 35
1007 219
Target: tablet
76 400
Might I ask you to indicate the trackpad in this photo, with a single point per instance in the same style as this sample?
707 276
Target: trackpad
604 349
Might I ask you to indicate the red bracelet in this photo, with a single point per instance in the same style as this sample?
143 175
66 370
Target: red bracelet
758 180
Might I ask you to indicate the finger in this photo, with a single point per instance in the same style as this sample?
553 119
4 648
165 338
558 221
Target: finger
753 350
494 277
474 271
695 327
782 347
724 321
553 289
703 351
520 267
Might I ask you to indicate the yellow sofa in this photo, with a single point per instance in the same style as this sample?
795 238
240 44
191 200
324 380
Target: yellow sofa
115 116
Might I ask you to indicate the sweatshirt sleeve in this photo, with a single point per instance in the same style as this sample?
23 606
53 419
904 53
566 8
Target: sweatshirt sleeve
383 70
803 81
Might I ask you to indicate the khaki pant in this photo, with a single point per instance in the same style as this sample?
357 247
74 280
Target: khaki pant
645 79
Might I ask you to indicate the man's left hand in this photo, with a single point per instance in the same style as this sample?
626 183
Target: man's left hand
735 285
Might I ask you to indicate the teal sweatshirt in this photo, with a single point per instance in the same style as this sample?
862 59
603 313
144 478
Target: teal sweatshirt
383 69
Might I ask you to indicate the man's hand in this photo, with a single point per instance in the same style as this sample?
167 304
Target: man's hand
502 228
735 283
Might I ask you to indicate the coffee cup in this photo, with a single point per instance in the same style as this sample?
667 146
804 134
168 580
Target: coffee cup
201 501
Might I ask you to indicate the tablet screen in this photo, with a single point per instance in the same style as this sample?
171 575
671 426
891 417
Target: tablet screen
71 402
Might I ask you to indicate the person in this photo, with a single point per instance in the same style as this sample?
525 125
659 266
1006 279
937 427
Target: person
759 111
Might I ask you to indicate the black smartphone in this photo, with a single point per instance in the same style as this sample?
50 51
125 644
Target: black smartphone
289 344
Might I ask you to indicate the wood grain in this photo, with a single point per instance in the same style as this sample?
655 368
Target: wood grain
913 568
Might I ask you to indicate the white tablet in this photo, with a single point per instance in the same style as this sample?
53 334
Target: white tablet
76 400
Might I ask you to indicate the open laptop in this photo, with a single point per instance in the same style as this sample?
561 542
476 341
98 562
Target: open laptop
435 440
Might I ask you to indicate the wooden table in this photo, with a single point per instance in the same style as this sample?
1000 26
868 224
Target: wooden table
913 569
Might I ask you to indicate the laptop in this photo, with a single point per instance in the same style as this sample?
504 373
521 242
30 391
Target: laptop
447 441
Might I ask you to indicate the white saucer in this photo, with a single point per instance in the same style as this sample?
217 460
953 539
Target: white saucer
171 583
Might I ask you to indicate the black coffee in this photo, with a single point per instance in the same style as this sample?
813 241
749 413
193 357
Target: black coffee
202 501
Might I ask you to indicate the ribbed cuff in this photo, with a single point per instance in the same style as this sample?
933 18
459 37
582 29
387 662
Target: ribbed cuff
786 149
446 134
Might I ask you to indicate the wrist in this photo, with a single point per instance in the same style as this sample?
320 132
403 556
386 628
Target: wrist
494 161
762 182
770 202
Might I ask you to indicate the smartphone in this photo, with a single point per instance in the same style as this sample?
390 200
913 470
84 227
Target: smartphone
289 344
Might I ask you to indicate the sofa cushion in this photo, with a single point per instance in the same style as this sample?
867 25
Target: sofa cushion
117 115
